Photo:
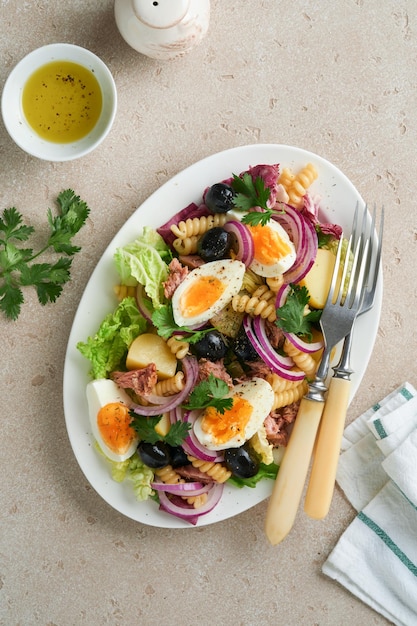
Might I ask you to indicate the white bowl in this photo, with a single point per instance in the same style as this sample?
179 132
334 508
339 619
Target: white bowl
11 103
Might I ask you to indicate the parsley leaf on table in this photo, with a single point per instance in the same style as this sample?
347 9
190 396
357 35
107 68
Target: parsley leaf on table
210 392
291 315
17 263
145 428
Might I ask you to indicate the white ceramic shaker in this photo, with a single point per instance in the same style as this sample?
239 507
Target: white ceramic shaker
162 29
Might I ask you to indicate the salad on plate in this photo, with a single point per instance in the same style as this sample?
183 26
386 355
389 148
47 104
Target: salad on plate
197 373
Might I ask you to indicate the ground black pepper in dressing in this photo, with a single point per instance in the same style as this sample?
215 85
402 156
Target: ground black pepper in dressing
62 101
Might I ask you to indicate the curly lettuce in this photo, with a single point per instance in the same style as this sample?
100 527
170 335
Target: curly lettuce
107 349
145 261
133 470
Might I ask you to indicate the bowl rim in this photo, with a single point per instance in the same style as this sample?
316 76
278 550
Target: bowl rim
15 122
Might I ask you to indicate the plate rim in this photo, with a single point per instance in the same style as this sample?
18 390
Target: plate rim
124 235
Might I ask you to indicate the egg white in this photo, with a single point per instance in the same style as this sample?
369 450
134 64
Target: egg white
229 271
99 393
259 393
282 263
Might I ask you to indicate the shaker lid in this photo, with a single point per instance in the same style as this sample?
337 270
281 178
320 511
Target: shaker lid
160 13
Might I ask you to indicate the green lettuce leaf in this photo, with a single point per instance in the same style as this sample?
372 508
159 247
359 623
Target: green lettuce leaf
107 349
265 471
134 470
145 261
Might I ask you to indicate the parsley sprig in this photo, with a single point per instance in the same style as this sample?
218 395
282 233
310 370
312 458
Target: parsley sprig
292 316
17 263
145 428
250 194
163 320
210 392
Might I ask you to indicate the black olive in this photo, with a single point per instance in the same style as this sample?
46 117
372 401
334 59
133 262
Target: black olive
177 456
243 347
154 455
241 462
219 198
211 346
215 244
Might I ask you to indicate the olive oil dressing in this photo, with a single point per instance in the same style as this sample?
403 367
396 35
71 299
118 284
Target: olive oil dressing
62 101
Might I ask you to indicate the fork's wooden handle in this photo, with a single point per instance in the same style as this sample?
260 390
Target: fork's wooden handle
326 455
289 484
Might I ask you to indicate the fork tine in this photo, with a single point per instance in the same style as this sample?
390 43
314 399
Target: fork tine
360 264
336 321
333 283
373 271
320 489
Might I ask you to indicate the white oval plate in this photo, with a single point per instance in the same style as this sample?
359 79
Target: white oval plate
338 200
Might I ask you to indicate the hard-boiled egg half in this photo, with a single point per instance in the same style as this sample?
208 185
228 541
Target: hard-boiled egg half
206 290
274 252
252 403
108 407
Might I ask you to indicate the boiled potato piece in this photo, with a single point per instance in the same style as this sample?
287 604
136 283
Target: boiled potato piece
318 279
163 426
149 348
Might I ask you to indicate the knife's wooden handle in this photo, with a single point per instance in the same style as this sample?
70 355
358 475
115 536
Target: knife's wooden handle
326 455
289 484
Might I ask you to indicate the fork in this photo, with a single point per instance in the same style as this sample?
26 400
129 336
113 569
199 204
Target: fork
326 455
341 308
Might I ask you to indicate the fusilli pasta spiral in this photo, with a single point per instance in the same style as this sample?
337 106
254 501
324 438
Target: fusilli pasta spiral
290 395
178 347
278 383
197 225
170 386
301 183
170 477
218 472
296 185
286 178
275 282
261 302
124 291
303 360
186 246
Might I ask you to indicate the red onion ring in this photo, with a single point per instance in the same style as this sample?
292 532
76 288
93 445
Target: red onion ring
180 508
182 489
191 444
141 300
282 294
260 330
302 345
246 248
154 399
304 237
269 356
190 367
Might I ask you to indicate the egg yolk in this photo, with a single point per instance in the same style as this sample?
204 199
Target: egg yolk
224 426
201 295
113 421
269 246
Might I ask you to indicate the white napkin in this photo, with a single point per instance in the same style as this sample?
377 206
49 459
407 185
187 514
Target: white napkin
376 557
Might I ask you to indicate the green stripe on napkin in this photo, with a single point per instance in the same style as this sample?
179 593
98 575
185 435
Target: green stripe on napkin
388 542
